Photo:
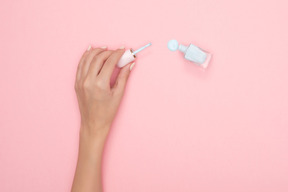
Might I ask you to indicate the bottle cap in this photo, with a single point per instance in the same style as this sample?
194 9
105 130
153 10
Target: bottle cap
173 45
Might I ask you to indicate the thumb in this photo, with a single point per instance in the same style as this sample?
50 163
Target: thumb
122 78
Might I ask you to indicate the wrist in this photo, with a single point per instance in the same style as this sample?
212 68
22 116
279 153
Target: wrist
94 134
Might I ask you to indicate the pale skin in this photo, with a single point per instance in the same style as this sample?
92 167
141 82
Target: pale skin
98 103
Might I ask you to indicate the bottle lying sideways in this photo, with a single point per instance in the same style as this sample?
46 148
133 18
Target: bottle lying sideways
192 53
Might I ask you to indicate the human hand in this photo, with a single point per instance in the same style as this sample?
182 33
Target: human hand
98 101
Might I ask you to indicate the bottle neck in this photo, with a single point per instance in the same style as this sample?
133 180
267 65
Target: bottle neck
183 48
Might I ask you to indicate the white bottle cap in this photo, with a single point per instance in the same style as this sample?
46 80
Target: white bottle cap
173 45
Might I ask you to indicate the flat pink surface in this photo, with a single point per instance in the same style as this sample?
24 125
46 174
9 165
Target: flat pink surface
178 128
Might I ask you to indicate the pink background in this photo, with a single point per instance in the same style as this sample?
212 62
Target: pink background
178 128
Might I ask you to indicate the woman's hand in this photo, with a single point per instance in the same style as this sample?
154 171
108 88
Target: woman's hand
98 104
98 101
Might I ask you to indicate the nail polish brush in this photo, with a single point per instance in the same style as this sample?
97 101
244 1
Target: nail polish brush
130 55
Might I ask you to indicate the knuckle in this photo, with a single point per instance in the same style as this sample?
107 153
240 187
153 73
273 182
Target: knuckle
86 84
100 84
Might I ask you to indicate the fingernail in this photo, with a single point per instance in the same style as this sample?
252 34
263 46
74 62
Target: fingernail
122 47
89 48
131 66
103 47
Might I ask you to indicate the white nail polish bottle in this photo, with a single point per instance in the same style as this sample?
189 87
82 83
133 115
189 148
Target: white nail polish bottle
130 56
191 53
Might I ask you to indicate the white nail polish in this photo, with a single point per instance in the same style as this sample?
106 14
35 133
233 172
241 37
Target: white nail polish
122 47
131 66
103 47
89 48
